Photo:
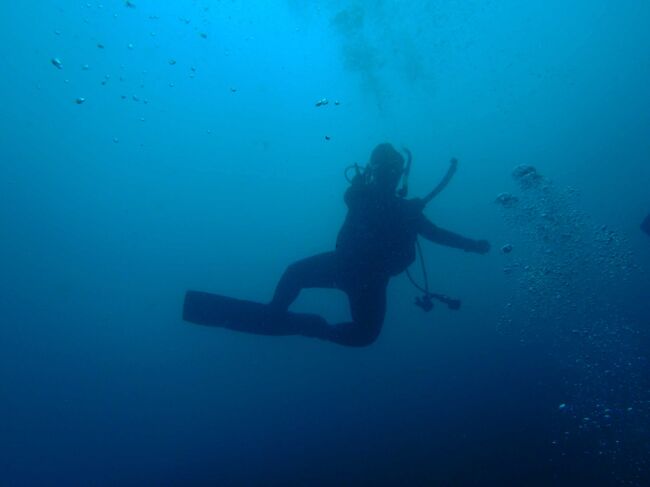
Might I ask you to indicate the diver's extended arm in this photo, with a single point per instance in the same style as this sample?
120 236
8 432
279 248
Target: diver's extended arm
444 237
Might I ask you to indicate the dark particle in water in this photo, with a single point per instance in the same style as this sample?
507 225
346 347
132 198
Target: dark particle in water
645 226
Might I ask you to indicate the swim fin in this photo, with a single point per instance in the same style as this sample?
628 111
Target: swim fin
248 316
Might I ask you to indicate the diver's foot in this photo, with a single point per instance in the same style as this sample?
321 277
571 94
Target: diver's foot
274 309
278 306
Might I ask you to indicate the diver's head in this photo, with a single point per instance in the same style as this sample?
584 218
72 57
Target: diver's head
386 167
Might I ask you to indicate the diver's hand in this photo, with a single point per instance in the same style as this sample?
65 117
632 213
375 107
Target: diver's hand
481 247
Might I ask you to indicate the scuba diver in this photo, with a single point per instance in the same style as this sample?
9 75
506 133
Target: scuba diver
377 241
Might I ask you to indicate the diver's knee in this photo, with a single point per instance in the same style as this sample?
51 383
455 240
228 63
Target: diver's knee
291 271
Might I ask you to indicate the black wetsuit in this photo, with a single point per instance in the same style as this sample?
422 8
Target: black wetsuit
376 242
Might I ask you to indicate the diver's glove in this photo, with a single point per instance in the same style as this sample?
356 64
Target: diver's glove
480 247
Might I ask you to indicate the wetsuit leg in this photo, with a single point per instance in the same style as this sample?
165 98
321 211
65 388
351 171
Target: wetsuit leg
318 271
368 307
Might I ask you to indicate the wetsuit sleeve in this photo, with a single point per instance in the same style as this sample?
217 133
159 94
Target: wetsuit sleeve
444 237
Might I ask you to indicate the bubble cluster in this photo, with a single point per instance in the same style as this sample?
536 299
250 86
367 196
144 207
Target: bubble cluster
569 284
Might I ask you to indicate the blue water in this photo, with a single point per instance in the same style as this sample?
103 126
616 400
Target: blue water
178 146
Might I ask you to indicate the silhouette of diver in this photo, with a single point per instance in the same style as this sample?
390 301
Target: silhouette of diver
376 242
